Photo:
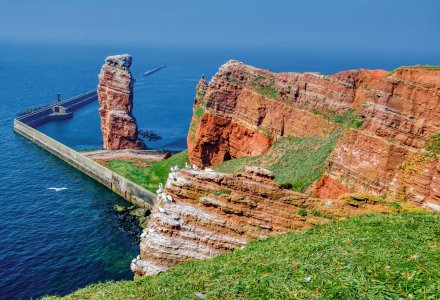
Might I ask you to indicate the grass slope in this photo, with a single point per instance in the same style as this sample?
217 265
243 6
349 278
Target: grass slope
364 257
148 177
293 160
297 161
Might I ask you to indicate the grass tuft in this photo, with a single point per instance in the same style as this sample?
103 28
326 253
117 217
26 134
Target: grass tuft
302 212
433 144
265 90
199 111
222 192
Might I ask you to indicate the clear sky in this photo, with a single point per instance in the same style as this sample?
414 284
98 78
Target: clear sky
392 25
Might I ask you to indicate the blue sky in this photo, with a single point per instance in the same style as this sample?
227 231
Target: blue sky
399 25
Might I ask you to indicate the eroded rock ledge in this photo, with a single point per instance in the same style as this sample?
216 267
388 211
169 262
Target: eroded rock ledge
115 95
201 214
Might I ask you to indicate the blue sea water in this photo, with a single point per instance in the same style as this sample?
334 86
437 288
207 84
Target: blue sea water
56 242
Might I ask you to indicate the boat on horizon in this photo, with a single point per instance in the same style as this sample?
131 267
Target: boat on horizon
149 72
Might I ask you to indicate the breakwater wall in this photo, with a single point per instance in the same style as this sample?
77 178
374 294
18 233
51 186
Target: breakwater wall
118 184
42 115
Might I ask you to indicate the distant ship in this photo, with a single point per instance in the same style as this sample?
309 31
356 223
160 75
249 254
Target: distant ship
149 72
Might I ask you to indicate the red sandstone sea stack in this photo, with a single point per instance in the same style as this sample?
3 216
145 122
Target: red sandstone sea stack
115 95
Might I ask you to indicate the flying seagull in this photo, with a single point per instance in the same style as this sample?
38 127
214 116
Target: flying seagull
57 189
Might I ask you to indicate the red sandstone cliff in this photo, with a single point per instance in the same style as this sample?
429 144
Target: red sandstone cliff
115 95
243 110
201 214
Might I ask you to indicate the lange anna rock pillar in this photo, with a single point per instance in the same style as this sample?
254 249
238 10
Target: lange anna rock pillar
115 95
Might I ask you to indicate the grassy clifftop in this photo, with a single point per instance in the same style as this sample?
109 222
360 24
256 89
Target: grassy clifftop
148 177
364 257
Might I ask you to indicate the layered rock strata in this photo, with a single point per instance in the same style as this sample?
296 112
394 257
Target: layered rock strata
243 110
115 95
201 214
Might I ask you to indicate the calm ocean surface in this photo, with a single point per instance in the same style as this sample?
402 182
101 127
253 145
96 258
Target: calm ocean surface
56 242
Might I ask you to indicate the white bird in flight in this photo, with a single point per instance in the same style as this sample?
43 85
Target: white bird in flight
57 189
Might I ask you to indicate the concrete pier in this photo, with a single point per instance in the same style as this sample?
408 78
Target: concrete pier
42 115
24 125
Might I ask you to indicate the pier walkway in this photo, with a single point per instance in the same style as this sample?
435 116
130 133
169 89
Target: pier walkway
40 116
25 125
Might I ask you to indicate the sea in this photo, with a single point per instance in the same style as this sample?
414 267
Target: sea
55 242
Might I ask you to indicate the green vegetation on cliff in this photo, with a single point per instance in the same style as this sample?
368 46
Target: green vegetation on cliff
294 161
297 162
265 90
426 67
349 120
148 177
433 144
364 257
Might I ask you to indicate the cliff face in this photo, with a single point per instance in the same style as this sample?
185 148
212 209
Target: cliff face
243 110
375 133
201 214
115 95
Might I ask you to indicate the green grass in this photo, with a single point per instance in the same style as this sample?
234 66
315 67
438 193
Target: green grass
350 119
365 257
233 80
265 90
409 67
294 161
431 67
199 111
319 214
433 144
148 177
222 192
302 212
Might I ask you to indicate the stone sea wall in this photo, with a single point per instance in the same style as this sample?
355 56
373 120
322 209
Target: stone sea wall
40 116
120 185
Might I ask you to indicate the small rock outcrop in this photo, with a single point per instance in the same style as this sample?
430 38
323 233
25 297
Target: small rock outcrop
115 95
203 213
